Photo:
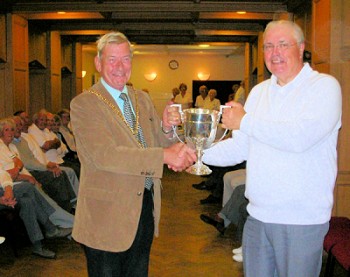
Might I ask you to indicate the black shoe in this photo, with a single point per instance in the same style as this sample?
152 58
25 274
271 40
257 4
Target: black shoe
202 186
211 199
212 221
44 253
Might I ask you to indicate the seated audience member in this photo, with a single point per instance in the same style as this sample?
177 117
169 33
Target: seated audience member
55 127
70 158
65 131
215 183
34 210
54 181
49 142
202 98
233 212
10 161
41 157
25 117
212 103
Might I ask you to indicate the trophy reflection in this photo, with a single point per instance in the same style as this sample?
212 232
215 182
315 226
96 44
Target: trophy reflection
199 127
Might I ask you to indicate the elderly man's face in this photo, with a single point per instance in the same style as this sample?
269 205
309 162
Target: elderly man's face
286 63
41 121
19 127
203 92
114 64
65 119
49 122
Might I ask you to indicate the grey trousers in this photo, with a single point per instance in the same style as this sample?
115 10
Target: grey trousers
58 217
282 250
73 178
33 209
58 188
230 212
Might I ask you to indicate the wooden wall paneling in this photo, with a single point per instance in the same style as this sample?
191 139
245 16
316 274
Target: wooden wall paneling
2 91
263 73
37 88
37 49
3 57
78 61
321 33
67 80
56 93
342 203
7 69
303 17
20 69
340 68
247 68
67 56
54 90
67 72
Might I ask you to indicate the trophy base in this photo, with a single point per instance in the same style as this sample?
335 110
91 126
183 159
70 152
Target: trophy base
199 170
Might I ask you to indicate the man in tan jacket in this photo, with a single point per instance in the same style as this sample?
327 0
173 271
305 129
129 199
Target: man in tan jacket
122 150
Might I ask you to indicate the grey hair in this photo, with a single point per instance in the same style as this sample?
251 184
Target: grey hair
6 121
213 91
112 37
63 111
297 31
36 115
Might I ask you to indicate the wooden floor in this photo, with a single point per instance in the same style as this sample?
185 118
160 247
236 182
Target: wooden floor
186 246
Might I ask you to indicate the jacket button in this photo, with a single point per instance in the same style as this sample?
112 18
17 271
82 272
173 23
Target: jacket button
139 193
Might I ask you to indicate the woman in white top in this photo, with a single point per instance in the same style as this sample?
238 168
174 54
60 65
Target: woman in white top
184 98
213 103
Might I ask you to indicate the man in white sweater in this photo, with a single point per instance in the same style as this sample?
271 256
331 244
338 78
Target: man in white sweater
287 132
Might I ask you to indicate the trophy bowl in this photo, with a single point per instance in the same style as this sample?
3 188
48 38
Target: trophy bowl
200 127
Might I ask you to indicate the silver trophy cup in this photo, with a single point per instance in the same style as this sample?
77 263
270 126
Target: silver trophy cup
199 126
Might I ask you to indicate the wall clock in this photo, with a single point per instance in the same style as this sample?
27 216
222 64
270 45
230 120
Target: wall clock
173 64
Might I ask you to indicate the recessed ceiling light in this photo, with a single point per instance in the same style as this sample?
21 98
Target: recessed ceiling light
61 12
241 12
204 45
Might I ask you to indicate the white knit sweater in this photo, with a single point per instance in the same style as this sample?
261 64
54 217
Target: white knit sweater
288 137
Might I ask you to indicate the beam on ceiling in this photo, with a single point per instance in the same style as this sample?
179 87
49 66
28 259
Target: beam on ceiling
149 6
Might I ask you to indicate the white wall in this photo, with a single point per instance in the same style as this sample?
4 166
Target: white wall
220 67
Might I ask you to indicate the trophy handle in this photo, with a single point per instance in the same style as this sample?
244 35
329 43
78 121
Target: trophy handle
175 127
226 130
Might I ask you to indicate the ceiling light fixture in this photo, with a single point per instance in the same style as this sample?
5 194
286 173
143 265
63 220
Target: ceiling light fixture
150 76
203 76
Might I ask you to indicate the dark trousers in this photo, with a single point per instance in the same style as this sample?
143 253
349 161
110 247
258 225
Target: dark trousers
134 261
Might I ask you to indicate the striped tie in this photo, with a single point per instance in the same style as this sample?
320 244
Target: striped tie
130 119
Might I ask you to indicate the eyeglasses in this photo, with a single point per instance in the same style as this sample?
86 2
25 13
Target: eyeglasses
283 46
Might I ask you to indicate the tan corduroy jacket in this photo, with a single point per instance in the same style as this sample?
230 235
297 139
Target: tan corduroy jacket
113 168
